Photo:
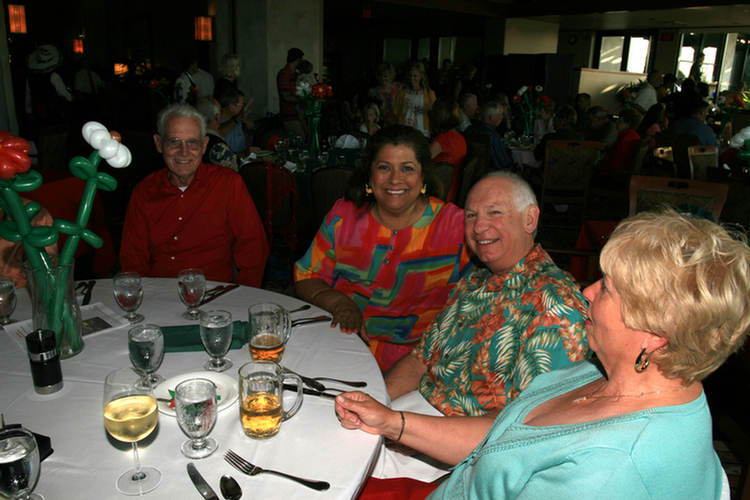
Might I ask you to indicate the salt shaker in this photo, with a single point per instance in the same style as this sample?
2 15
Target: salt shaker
45 361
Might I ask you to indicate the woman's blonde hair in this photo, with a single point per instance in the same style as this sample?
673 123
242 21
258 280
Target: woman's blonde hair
419 67
230 66
684 279
375 108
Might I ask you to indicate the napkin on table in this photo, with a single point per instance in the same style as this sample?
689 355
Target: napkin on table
184 338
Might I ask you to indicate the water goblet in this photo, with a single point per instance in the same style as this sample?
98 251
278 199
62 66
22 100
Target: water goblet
332 140
128 291
19 464
216 336
195 406
146 348
7 299
323 157
191 285
362 143
131 414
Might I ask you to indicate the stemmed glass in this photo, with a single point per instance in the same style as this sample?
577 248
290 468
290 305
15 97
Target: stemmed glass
363 144
19 464
7 299
191 285
195 406
128 292
130 414
323 157
216 335
146 348
332 140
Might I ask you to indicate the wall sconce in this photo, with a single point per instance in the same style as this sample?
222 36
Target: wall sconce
78 46
17 17
203 29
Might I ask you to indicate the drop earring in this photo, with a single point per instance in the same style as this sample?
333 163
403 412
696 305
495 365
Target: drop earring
642 361
368 189
424 189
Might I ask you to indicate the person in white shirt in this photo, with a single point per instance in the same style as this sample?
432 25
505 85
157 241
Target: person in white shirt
469 105
647 94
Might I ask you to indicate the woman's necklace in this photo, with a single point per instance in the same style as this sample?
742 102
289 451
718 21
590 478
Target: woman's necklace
589 395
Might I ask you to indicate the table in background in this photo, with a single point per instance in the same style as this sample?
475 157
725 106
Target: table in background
86 461
524 157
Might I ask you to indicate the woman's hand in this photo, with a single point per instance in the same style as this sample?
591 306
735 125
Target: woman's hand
357 410
349 317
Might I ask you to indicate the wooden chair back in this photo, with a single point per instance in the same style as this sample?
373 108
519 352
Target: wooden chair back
274 193
478 146
701 159
467 181
328 184
679 144
444 173
648 193
567 172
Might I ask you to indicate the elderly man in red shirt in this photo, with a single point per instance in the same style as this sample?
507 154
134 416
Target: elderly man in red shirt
191 214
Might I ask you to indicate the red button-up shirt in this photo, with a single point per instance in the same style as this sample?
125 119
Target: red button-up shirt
213 225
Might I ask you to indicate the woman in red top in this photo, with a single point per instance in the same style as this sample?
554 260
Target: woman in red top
448 145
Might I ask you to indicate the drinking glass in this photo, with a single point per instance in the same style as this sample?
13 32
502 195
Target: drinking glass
270 327
131 414
323 157
332 140
128 292
7 299
19 464
362 143
216 335
261 398
191 285
195 406
341 162
146 348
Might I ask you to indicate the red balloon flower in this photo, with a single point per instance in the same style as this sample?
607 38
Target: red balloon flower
14 155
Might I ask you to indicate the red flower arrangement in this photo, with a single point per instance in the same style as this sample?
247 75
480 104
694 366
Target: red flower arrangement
153 84
322 90
14 155
529 99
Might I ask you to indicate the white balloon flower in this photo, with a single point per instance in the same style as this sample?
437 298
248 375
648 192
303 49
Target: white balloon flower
110 149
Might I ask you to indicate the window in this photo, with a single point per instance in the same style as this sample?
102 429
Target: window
624 53
694 44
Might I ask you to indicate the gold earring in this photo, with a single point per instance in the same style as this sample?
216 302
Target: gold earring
424 189
642 361
368 189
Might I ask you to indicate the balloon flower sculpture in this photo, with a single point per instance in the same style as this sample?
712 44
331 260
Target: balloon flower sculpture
50 278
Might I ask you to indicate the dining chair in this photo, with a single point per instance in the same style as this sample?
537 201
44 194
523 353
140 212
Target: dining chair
679 144
274 192
478 146
444 172
328 184
565 183
52 147
701 159
468 179
698 197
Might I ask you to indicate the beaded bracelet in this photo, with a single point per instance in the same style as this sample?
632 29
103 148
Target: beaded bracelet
403 424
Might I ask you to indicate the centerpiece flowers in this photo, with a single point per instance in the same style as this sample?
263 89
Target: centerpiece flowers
729 108
627 94
314 97
529 100
51 278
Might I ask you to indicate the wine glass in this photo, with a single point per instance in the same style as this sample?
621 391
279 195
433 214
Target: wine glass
216 335
19 464
191 285
7 299
323 157
131 414
362 143
146 348
195 406
332 140
128 292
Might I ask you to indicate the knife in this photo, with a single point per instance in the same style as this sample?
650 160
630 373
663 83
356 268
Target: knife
309 392
218 294
307 321
308 381
200 484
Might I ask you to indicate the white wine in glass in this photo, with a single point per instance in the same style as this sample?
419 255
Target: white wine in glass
131 414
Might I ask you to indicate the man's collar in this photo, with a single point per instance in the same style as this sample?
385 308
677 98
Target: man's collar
200 176
525 267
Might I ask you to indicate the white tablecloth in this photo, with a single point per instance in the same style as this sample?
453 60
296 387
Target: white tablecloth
87 461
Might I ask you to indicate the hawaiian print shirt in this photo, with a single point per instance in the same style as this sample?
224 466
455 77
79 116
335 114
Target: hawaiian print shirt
496 333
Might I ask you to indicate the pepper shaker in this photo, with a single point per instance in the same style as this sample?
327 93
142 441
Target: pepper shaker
45 361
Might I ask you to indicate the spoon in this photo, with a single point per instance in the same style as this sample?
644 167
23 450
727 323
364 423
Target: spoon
229 488
301 308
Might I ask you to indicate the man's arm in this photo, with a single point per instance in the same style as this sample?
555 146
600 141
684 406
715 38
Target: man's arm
404 376
251 251
134 252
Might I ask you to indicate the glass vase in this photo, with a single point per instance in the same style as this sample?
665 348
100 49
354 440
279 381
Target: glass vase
54 306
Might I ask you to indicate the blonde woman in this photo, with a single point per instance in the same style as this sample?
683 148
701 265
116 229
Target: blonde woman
414 102
230 68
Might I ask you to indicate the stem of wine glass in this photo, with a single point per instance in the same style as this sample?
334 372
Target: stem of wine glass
198 443
137 475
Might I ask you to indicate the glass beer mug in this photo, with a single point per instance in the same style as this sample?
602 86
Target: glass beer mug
262 400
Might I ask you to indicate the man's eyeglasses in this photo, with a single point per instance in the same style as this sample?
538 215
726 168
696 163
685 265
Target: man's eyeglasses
175 143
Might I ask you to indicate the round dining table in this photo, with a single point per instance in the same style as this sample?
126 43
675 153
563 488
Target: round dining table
86 461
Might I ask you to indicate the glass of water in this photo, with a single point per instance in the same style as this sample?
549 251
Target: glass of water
191 285
146 348
195 406
323 157
216 335
7 299
128 292
19 464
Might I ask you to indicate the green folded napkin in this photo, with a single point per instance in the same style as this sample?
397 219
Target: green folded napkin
184 338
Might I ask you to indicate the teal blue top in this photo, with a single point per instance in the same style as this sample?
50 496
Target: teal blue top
660 453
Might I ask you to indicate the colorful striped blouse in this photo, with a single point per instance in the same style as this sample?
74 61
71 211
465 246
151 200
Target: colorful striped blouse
399 279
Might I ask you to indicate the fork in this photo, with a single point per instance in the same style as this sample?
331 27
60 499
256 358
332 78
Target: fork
246 467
